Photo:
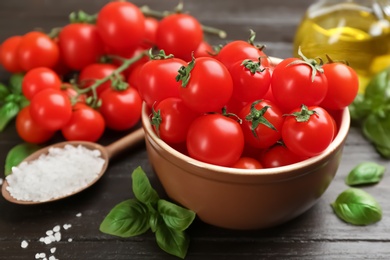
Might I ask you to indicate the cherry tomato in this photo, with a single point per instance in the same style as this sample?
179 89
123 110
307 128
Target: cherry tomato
121 109
29 130
278 155
72 93
8 54
179 34
171 120
157 80
38 79
36 49
215 139
308 131
247 163
262 123
121 25
86 124
80 45
151 25
204 50
343 85
89 74
240 50
293 84
51 109
207 87
251 81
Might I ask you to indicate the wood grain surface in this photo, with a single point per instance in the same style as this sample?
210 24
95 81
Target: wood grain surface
317 234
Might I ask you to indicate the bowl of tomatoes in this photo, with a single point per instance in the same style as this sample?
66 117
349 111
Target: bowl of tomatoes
252 164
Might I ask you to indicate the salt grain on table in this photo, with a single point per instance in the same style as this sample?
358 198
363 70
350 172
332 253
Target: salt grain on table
59 173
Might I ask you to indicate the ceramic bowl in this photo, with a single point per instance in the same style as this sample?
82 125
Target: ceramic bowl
239 198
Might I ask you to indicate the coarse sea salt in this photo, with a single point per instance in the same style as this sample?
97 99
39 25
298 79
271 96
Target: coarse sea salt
60 172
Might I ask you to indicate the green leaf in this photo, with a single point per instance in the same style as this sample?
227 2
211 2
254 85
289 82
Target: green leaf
8 112
142 189
359 108
357 207
17 154
15 83
174 216
365 173
376 129
172 241
378 89
4 92
128 218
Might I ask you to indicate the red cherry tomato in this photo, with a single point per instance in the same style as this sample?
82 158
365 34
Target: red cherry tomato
85 124
171 120
262 123
179 34
247 163
80 45
29 130
121 109
209 87
308 131
278 155
204 50
215 139
343 85
157 80
293 85
121 25
151 25
38 79
8 54
51 109
36 49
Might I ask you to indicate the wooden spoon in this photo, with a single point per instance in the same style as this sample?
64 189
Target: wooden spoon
107 152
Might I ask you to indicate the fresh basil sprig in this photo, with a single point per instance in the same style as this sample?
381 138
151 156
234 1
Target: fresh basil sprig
357 207
147 211
11 100
372 111
365 173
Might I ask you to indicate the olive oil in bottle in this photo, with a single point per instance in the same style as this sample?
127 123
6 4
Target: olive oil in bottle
354 31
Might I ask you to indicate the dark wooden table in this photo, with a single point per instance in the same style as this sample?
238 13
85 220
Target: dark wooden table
317 234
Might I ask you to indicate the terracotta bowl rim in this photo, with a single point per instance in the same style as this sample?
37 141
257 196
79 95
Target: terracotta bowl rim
288 169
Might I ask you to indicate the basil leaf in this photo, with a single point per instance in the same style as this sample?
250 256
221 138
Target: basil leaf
17 154
142 189
357 207
4 92
378 89
128 218
376 129
8 112
359 108
15 83
174 216
365 173
172 241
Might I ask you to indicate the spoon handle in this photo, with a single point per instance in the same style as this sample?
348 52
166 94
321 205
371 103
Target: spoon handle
125 142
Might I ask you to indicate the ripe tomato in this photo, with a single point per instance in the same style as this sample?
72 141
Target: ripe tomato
179 34
51 109
8 54
293 84
157 80
215 139
251 81
151 25
121 109
89 74
80 45
240 50
247 163
72 93
36 49
308 131
343 85
262 123
206 85
121 25
86 124
37 79
29 130
278 155
204 50
171 120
